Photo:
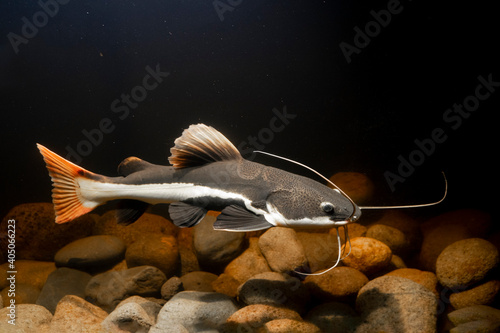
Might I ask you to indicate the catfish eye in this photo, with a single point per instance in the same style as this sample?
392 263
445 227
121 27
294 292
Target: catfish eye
327 207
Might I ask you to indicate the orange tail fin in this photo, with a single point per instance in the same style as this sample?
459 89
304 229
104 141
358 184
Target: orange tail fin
66 196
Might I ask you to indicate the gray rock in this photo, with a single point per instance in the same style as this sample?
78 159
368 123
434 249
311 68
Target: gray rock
215 248
61 282
129 317
171 287
29 318
396 304
151 306
108 289
194 311
91 252
275 289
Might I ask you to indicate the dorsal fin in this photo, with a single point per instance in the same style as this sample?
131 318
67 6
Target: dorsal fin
201 144
132 164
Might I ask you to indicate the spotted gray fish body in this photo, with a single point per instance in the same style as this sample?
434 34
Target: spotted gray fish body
207 173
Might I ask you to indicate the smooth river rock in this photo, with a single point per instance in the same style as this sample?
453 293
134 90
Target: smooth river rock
194 311
339 284
368 255
63 281
282 249
158 250
91 252
466 262
110 288
396 304
215 248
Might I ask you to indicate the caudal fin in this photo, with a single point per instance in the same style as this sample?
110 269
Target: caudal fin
68 201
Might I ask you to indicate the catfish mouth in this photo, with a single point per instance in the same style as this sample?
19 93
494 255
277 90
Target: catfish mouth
356 214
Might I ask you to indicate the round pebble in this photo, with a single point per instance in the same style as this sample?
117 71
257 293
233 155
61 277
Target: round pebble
91 252
394 238
339 284
288 326
396 304
282 249
466 262
249 263
321 249
367 255
194 311
143 281
274 288
252 317
474 313
158 250
484 294
215 248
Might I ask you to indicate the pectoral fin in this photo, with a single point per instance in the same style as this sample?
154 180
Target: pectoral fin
236 218
184 215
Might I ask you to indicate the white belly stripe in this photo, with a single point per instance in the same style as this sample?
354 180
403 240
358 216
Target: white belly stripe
97 192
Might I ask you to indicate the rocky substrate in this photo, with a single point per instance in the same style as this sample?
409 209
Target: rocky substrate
402 275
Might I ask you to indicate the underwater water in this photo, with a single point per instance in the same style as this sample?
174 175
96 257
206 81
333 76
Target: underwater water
395 92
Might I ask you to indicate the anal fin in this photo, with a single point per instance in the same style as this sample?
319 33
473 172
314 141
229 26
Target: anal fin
184 215
236 218
129 211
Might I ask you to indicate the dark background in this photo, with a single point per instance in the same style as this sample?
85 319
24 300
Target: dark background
230 74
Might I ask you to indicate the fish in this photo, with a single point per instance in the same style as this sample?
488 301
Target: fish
207 173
